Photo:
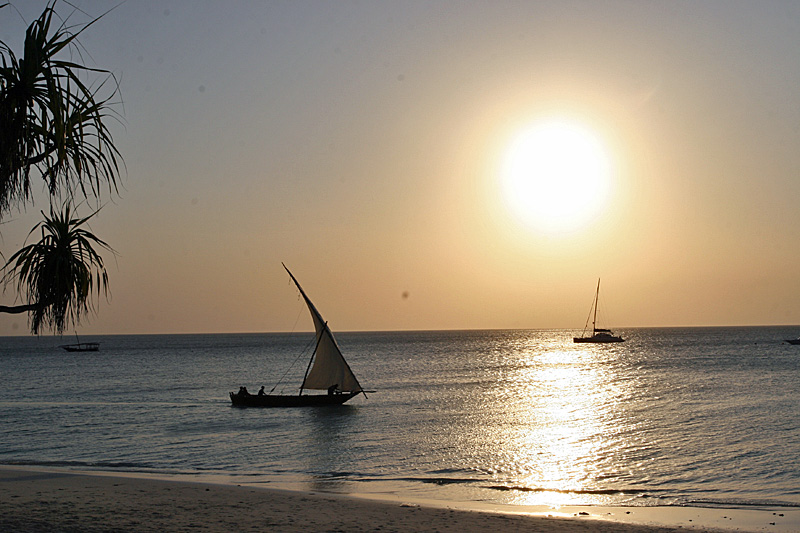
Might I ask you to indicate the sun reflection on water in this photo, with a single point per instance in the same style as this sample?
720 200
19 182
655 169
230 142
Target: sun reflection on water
568 422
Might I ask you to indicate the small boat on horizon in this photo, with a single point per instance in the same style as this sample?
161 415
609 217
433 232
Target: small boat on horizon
81 347
599 335
793 341
327 370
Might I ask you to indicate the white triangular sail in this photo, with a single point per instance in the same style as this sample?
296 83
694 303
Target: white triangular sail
329 366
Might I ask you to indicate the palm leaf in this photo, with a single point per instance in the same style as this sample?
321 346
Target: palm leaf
53 122
61 275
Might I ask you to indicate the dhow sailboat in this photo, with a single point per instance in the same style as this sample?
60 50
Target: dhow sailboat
327 371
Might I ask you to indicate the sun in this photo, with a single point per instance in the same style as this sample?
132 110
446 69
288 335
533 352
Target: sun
556 176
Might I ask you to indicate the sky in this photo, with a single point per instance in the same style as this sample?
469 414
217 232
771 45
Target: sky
365 145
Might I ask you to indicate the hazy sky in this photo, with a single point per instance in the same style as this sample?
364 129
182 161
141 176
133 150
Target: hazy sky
362 143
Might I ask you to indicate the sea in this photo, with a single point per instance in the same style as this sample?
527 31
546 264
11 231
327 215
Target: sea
705 417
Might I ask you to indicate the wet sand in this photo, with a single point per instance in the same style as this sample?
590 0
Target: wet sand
38 500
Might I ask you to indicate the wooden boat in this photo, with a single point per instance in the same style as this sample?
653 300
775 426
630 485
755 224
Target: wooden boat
793 341
599 335
286 400
79 346
327 370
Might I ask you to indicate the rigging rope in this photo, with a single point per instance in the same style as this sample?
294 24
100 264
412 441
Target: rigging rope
301 354
291 366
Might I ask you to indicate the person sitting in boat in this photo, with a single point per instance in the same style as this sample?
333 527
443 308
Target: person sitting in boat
261 391
243 391
334 389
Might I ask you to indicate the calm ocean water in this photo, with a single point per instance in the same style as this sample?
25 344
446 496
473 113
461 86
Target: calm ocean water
684 417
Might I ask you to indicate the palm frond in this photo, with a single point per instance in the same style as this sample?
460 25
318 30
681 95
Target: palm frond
61 275
54 124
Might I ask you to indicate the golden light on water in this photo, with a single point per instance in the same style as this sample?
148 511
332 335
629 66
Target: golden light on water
568 427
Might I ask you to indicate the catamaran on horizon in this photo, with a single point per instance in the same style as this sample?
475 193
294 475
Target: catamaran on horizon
599 335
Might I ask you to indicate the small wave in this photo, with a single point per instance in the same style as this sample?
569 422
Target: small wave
338 475
564 491
442 480
80 464
449 471
734 503
359 476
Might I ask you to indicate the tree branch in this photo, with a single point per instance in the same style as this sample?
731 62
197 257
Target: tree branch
17 309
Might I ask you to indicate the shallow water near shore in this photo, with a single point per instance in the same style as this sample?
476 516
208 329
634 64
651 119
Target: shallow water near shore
690 417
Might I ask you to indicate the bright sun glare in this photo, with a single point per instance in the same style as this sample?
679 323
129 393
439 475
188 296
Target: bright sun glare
555 176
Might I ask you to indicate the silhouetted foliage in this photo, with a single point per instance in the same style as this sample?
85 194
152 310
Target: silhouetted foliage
59 274
52 122
53 126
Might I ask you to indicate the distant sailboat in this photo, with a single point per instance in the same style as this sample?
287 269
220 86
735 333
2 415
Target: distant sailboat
599 335
327 370
81 346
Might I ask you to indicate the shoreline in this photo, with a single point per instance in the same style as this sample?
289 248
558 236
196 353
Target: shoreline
50 499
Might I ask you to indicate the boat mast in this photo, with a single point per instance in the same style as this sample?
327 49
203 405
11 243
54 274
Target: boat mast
317 317
596 297
311 360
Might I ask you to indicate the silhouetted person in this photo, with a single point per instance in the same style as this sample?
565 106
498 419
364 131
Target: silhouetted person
333 389
261 391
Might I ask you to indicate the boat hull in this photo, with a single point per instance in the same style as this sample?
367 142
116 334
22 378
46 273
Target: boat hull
793 341
280 400
81 347
598 339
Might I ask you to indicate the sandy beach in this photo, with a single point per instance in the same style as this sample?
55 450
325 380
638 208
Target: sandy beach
37 500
